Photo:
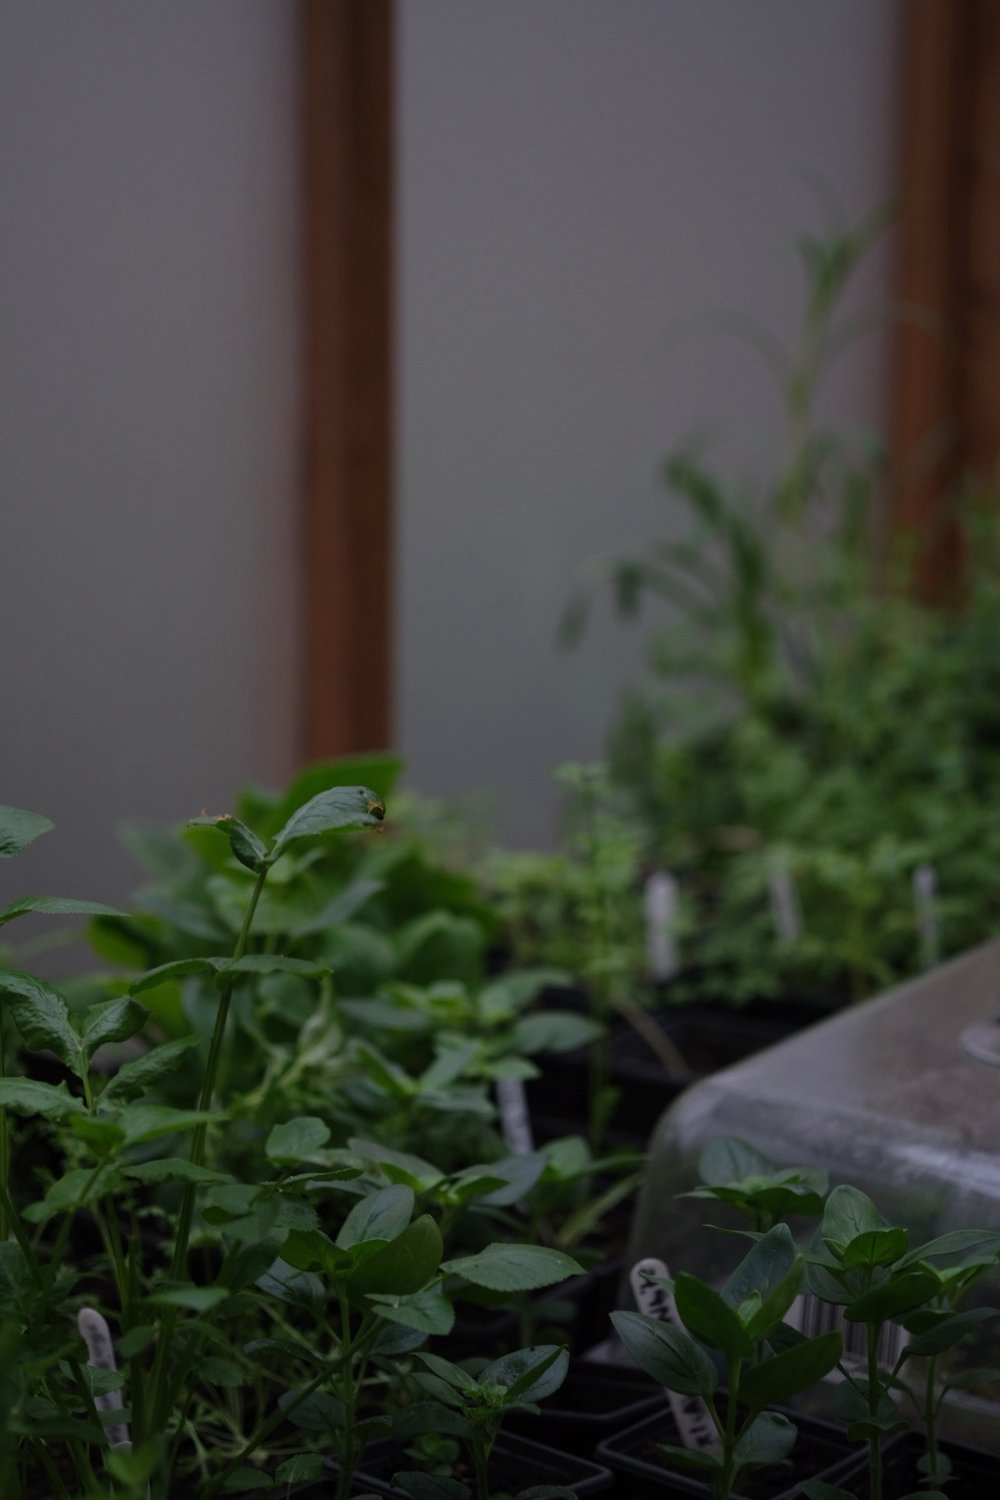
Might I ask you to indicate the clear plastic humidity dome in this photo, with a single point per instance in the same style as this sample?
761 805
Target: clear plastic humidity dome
899 1096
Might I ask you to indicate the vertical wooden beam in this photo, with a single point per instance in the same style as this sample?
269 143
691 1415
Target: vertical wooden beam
347 533
946 398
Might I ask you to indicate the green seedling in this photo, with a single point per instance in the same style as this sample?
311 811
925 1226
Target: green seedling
744 1324
472 1408
735 1173
865 1265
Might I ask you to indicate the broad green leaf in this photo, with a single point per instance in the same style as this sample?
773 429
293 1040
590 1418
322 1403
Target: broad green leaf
245 1480
427 1312
56 906
958 1242
404 1265
514 1268
112 1021
318 1412
141 1073
769 1438
194 1298
528 1374
899 1295
341 909
29 1097
250 850
848 1213
418 1417
288 1284
728 1160
42 1017
300 1469
76 1187
18 829
705 1314
173 1169
336 810
273 963
947 1333
148 1122
553 1031
453 1375
380 1216
772 1270
876 1247
305 1248
179 968
671 1357
296 1140
775 1380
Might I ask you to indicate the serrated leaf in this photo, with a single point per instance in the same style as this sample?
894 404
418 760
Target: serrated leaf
178 968
296 1140
514 1268
19 828
300 1469
148 1122
56 906
42 1017
174 1169
112 1021
336 810
528 1374
666 1353
426 1312
29 1097
141 1073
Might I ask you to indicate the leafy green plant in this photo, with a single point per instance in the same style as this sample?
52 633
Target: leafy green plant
802 710
866 1266
743 1323
735 1173
472 1408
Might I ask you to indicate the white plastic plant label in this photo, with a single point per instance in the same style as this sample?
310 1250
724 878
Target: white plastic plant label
515 1118
661 904
96 1335
925 906
694 1421
784 898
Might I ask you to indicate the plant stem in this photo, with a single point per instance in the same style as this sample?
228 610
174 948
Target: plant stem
729 1437
874 1394
199 1137
348 1397
4 1147
930 1417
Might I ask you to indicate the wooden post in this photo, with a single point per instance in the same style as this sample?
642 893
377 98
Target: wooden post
946 399
347 533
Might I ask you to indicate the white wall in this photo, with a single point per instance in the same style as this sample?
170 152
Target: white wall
148 416
575 175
